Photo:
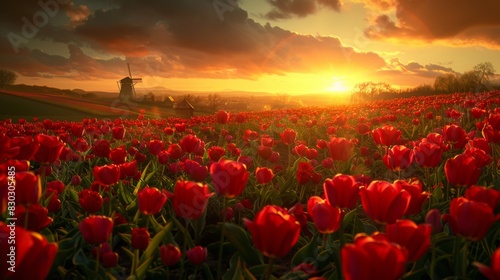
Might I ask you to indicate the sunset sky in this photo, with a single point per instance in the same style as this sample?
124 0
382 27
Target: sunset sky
275 46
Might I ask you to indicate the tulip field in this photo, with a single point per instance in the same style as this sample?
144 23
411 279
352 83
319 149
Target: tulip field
394 189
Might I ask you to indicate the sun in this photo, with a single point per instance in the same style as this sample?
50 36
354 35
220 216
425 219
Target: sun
338 85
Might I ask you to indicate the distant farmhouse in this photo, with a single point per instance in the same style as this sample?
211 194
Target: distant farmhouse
184 109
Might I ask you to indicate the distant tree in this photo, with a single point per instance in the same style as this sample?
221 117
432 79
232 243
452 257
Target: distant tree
446 83
191 98
369 90
214 101
7 78
484 71
469 81
150 97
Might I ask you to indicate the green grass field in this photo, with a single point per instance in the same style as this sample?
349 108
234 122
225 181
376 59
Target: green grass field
15 107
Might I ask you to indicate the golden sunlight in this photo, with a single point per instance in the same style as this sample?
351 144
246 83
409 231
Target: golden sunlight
338 85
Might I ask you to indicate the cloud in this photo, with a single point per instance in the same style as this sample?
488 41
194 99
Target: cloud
412 73
183 38
458 22
285 9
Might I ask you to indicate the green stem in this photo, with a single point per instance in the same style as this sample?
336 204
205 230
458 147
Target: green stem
184 249
457 256
221 244
96 269
289 156
135 262
465 250
269 269
433 258
341 230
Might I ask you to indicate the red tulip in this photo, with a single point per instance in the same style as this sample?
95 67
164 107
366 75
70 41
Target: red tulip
372 256
270 224
386 135
433 218
129 169
109 259
265 152
27 147
118 132
229 178
76 180
384 202
482 194
428 154
33 255
455 135
326 217
288 136
197 255
37 216
80 145
222 117
101 148
190 143
90 201
96 229
482 158
140 238
170 254
416 239
417 196
151 200
54 204
304 173
340 149
342 191
106 175
470 219
462 170
155 147
264 175
398 158
215 153
118 155
6 150
49 150
190 199
28 188
57 186
491 272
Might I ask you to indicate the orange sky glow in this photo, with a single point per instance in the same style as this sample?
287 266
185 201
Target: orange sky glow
275 46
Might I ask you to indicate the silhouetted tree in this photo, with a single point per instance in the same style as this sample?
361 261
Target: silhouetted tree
369 90
214 101
446 83
484 71
469 81
192 98
7 77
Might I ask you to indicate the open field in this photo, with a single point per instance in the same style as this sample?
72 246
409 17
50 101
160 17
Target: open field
160 197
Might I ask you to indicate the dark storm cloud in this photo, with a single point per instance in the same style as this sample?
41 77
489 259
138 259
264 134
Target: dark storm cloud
459 22
284 9
182 38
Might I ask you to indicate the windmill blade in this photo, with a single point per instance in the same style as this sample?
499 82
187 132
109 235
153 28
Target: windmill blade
129 73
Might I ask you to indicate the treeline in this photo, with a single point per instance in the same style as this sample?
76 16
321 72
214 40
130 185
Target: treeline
475 80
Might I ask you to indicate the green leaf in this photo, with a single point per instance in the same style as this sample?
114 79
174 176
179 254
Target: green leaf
237 270
138 186
306 251
149 254
80 259
240 239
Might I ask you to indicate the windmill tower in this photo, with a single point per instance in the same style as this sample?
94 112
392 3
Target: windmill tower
126 87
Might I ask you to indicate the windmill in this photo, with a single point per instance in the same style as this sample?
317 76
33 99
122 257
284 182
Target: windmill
126 87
